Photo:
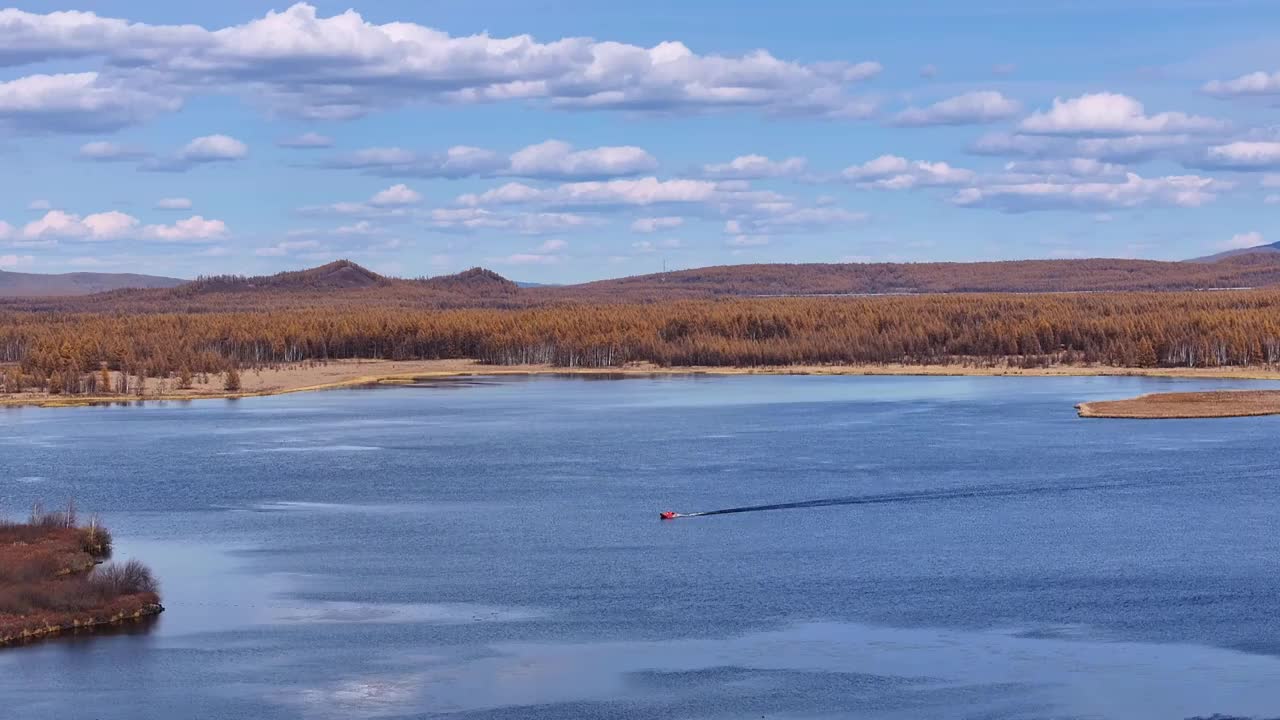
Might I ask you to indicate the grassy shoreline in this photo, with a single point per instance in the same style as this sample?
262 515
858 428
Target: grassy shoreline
352 373
52 580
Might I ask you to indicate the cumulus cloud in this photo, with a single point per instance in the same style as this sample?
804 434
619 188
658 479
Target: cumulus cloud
193 229
751 167
343 66
9 262
648 246
972 108
471 219
548 253
201 151
77 103
115 225
1123 149
396 195
655 224
306 141
6 230
1243 155
891 172
103 151
549 160
174 203
778 220
40 205
639 192
109 225
1134 191
1253 84
558 159
287 247
1112 114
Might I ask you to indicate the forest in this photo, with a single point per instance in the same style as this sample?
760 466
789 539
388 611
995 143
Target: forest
91 352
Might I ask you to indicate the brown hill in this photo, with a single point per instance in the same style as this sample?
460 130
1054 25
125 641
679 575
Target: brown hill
344 283
1092 275
15 284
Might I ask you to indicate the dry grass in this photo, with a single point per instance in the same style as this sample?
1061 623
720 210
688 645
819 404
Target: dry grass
1212 404
50 579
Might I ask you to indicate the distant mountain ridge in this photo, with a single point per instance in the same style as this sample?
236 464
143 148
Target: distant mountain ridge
345 283
1267 249
16 284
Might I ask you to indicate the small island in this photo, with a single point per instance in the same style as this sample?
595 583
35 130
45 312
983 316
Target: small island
1186 405
53 580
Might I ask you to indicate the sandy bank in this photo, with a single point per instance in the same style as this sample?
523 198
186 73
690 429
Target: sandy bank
346 373
1185 405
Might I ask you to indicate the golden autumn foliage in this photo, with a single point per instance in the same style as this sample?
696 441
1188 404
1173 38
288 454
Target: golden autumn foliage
1191 329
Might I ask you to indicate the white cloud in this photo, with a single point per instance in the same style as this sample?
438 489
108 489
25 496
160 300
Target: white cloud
201 151
396 195
777 221
891 172
193 229
1128 148
6 230
655 224
306 141
109 225
288 247
648 246
103 151
1074 167
1254 83
115 225
1242 240
750 167
558 159
78 102
173 203
1243 155
640 192
8 262
746 241
552 246
1111 114
1133 191
508 194
549 160
470 219
343 66
40 205
213 148
971 108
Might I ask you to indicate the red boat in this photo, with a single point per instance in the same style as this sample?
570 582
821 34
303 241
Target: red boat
668 515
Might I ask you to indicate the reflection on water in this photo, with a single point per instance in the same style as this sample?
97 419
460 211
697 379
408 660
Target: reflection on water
494 552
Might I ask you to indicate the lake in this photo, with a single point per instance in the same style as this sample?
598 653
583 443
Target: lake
491 548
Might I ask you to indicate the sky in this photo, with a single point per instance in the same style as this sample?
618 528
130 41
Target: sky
569 140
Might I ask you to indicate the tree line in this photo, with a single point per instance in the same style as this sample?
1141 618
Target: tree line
80 352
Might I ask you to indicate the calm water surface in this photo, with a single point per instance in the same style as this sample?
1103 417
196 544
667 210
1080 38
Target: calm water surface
491 549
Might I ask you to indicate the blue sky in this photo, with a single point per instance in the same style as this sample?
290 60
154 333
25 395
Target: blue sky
565 140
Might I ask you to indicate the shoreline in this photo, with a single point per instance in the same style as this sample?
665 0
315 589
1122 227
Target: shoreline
87 625
354 373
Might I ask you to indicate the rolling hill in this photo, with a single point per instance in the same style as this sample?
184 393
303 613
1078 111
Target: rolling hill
345 283
16 284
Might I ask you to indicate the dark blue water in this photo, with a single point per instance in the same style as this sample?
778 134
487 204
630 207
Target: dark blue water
492 550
